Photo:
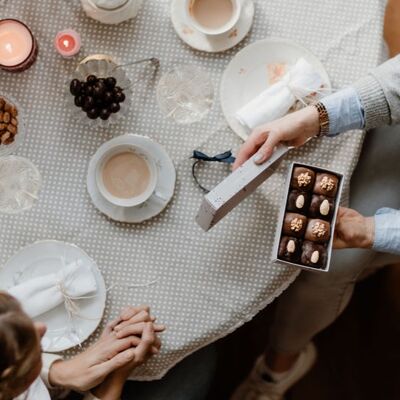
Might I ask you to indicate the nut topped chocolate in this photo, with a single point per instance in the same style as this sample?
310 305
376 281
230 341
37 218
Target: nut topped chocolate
318 231
321 207
8 122
303 179
294 225
313 255
290 249
326 184
298 201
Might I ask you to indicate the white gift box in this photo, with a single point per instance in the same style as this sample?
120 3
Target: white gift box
283 211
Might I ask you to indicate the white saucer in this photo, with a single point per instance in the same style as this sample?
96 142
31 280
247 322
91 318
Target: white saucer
199 40
246 76
159 199
43 258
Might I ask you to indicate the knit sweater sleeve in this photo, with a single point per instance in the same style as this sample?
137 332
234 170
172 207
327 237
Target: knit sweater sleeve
379 93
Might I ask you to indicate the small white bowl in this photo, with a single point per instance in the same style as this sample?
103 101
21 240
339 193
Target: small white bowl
133 201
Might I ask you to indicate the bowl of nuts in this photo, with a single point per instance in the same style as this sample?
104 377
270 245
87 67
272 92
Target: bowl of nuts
11 125
99 93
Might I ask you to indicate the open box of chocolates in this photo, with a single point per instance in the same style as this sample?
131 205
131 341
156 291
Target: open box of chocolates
307 220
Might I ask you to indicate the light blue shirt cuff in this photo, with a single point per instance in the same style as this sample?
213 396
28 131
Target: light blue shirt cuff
344 110
387 231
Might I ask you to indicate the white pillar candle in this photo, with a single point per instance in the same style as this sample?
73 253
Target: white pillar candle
18 47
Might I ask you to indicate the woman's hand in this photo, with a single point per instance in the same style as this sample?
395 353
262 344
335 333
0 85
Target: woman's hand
293 129
111 352
353 230
111 388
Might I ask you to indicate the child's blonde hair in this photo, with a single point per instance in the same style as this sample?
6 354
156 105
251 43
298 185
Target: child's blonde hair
19 347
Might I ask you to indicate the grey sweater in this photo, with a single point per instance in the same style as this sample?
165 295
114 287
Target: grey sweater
379 93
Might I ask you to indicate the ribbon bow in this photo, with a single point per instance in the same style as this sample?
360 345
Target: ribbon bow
225 157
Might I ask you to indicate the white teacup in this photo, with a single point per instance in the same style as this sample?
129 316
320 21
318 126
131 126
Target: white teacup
123 201
213 31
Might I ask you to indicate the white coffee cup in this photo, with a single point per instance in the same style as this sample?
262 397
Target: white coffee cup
132 201
237 9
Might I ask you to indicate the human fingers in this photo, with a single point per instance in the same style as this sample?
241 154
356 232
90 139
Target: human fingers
130 311
250 146
144 350
142 316
137 329
119 360
268 147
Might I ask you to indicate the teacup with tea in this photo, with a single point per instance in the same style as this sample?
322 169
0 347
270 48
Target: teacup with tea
126 175
213 17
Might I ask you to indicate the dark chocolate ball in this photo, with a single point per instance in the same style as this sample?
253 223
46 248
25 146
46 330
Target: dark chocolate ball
114 107
104 114
111 82
119 97
326 184
313 255
93 113
289 249
108 97
79 100
75 87
84 86
298 201
303 179
321 207
99 102
294 225
89 103
91 79
318 231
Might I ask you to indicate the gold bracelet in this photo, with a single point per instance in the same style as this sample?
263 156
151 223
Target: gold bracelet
323 119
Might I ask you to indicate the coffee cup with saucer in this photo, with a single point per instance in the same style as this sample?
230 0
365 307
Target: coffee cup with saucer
212 37
160 195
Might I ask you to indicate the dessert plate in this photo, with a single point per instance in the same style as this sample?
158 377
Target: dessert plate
246 76
212 44
158 200
45 257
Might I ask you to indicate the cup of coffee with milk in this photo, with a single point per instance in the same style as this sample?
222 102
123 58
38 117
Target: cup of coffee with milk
126 175
213 17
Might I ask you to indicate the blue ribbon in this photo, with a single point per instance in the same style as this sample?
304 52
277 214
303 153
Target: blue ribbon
226 158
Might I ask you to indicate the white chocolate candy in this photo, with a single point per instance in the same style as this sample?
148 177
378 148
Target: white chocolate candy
300 201
324 207
291 246
315 256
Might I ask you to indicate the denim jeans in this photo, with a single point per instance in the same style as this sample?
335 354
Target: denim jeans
315 300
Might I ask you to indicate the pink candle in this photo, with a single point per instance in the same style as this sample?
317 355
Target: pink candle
18 47
67 43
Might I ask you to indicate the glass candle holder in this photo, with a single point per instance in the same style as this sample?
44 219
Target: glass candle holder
67 43
18 46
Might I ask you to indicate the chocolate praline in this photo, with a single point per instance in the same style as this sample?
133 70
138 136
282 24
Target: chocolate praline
326 184
321 207
318 231
303 179
294 225
298 201
289 249
313 255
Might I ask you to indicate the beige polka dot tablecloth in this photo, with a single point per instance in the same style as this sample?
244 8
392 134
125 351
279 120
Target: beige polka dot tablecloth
207 284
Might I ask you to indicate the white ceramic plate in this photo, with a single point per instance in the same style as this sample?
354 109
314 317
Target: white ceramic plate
43 258
158 200
199 40
246 76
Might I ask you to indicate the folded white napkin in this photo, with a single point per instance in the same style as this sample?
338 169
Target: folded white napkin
299 82
43 293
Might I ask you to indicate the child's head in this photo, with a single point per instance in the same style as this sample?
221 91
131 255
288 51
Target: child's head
20 352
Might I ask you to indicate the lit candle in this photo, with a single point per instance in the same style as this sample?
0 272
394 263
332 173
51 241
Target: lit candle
18 47
67 43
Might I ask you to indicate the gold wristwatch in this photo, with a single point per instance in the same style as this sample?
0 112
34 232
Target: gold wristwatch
323 119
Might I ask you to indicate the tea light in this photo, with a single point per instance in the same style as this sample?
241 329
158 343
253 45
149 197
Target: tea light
18 46
67 43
